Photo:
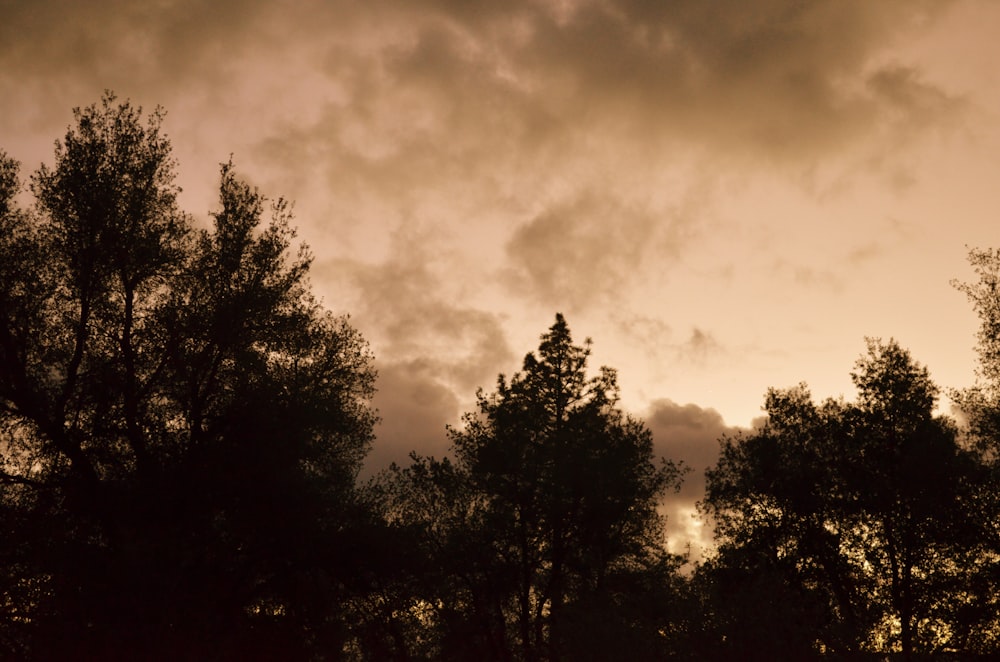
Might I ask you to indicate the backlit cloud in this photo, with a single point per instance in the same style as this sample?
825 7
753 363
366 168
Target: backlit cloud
690 434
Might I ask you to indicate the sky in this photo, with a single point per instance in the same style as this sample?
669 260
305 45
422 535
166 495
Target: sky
724 195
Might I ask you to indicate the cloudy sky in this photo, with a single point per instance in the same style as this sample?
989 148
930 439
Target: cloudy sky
724 195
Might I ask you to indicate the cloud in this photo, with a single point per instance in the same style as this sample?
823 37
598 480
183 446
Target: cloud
482 115
581 252
414 407
432 350
781 78
912 101
700 347
864 253
651 335
452 160
407 312
657 341
690 434
777 77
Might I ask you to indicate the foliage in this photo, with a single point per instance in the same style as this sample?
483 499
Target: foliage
182 423
858 511
980 404
543 531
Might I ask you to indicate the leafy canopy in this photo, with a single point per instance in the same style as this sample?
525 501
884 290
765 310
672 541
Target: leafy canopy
181 421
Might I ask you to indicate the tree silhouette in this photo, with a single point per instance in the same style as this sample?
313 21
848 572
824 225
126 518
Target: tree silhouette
545 525
182 422
858 509
980 407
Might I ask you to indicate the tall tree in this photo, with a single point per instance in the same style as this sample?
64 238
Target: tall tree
858 509
549 519
779 583
907 482
182 421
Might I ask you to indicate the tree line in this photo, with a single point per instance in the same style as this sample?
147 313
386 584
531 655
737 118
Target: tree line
182 428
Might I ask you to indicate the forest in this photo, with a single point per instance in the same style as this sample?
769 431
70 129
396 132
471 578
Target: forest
183 426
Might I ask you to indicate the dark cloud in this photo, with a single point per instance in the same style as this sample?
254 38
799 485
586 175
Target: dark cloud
778 77
54 49
482 115
414 407
575 254
405 310
690 434
433 352
485 116
914 101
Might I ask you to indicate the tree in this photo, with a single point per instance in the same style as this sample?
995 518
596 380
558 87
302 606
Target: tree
182 422
980 404
546 520
980 407
908 482
859 509
779 582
